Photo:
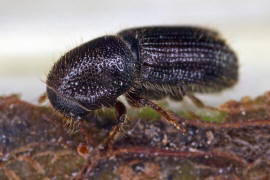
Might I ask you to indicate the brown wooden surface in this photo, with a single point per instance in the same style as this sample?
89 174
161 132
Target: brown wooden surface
35 144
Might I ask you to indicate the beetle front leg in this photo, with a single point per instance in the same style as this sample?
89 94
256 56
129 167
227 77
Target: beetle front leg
121 114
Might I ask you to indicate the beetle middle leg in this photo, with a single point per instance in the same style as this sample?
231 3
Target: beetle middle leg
136 101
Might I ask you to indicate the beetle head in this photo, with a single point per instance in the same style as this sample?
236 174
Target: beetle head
90 76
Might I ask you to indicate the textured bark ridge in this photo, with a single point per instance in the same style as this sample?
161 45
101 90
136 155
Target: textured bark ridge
35 144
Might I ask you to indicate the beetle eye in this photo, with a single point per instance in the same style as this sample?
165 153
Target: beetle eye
67 107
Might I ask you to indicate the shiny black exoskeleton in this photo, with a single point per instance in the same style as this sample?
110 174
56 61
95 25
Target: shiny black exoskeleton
140 63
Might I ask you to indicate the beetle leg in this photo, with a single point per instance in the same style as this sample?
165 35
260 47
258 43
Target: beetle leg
141 102
121 113
167 115
199 103
42 98
107 143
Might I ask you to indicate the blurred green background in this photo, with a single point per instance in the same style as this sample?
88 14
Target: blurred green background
33 34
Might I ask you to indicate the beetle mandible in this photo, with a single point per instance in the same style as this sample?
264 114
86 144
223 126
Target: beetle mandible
143 64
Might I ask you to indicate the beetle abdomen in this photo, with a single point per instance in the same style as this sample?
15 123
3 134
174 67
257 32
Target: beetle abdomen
184 59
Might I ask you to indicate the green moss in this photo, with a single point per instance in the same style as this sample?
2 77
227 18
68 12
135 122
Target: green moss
184 114
105 112
206 116
213 117
148 114
151 115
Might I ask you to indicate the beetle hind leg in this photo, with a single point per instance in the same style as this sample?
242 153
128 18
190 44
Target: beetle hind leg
199 103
